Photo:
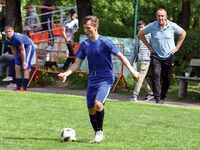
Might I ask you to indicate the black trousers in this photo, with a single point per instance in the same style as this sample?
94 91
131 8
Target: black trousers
161 72
47 26
71 53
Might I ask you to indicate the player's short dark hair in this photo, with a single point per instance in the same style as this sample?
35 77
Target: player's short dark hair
28 6
94 20
72 11
141 22
8 27
161 9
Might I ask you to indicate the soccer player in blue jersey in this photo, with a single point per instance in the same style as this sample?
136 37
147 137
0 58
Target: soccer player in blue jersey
98 51
22 49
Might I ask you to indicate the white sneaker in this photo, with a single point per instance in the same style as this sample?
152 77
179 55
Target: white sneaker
7 79
99 136
133 98
11 85
49 47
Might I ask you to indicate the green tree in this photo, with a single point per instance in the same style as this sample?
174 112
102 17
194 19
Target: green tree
84 9
13 14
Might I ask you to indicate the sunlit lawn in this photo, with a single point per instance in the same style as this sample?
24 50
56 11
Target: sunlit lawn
32 121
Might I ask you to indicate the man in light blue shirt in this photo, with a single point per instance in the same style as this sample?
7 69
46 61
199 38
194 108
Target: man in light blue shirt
163 49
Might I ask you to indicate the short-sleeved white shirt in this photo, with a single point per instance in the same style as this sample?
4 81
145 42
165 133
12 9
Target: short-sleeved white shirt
71 27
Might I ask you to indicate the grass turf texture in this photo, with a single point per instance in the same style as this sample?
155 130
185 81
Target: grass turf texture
33 121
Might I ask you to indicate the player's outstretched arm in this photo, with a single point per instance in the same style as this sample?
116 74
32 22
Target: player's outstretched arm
63 76
125 61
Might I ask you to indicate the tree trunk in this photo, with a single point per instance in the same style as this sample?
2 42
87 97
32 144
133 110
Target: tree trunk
84 9
197 23
185 18
13 14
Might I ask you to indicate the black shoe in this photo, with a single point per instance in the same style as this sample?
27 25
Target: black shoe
160 101
63 69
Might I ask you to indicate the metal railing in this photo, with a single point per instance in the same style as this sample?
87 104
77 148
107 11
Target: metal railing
58 15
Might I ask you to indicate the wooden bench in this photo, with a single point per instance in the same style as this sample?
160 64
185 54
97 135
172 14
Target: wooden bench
183 80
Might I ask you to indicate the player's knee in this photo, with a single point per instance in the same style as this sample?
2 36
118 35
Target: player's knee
17 68
98 105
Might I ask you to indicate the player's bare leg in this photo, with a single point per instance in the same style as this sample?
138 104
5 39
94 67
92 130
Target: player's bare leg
26 78
18 77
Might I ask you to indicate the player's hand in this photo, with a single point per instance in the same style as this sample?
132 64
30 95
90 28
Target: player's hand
0 36
151 49
135 75
62 76
25 66
131 62
174 51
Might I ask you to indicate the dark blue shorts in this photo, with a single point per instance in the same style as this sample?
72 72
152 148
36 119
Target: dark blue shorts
98 92
29 54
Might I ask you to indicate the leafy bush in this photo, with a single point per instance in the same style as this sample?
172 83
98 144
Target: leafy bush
189 49
47 79
109 28
77 81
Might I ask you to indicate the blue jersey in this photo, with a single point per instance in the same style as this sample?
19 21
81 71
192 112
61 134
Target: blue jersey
99 57
19 40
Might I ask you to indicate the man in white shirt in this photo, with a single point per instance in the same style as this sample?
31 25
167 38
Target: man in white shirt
70 26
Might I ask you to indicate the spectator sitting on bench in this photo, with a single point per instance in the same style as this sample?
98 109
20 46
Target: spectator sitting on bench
7 60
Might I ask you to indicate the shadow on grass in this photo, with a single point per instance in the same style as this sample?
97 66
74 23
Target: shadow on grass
31 138
45 139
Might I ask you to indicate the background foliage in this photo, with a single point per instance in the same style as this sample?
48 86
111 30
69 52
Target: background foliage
116 19
190 49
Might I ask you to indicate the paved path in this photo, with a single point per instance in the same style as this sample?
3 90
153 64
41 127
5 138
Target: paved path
116 96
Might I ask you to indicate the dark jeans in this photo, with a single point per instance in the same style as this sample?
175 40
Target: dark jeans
47 27
161 70
71 53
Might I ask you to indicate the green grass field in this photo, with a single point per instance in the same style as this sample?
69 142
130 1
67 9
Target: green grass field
33 121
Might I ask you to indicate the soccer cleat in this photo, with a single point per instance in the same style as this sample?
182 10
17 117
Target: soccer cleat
22 90
149 97
133 99
8 79
99 136
16 89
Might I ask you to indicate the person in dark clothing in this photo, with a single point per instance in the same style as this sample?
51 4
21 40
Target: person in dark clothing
46 9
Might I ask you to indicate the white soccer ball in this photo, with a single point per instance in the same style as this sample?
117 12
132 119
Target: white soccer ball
67 134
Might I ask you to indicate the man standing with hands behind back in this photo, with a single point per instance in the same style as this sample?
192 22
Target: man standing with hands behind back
163 49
